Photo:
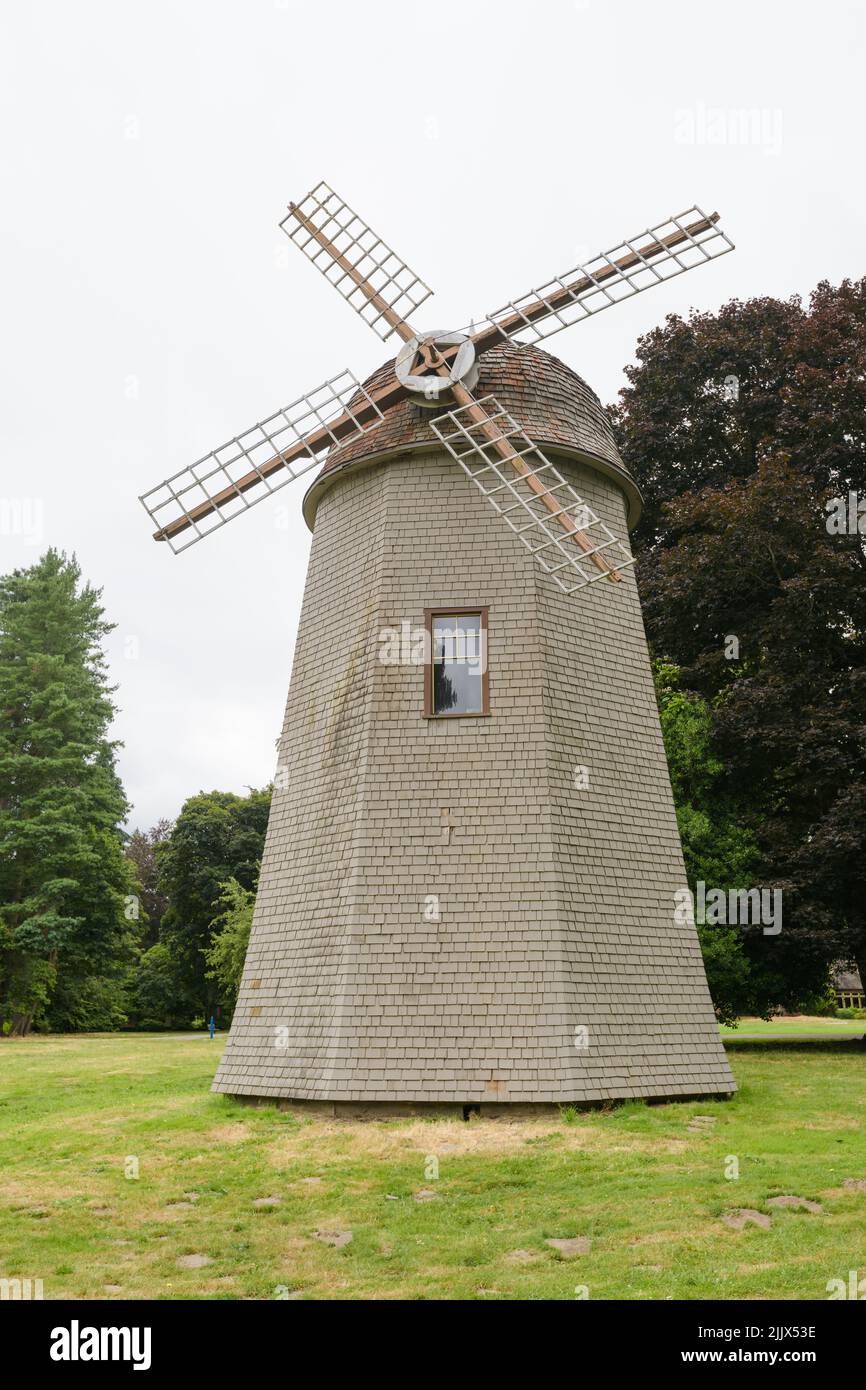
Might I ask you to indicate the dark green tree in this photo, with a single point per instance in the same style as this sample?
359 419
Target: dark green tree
141 852
64 881
159 998
230 938
718 850
217 836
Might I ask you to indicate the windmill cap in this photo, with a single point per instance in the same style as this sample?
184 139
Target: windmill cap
548 400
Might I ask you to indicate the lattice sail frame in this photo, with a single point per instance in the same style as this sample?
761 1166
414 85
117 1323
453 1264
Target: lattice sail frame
364 252
587 289
246 457
537 527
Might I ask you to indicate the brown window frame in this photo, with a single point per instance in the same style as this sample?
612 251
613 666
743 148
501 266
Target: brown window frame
429 614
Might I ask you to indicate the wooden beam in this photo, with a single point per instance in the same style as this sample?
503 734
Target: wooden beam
390 395
505 451
319 439
316 441
489 336
388 314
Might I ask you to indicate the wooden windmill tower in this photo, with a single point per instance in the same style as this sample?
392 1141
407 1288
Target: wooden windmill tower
468 894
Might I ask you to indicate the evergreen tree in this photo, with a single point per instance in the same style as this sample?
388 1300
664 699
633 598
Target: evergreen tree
63 877
217 836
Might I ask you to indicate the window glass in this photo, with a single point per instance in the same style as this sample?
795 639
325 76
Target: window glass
458 663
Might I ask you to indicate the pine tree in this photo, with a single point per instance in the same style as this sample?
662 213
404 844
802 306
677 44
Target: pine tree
63 878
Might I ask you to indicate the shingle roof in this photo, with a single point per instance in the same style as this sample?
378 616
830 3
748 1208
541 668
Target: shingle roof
550 401
847 980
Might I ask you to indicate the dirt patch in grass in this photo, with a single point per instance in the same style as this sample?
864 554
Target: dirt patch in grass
393 1140
744 1217
660 1238
229 1134
793 1203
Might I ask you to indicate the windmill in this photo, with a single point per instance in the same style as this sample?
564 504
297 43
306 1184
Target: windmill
470 886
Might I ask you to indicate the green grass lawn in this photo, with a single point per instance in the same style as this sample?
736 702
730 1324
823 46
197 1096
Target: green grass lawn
644 1187
798 1027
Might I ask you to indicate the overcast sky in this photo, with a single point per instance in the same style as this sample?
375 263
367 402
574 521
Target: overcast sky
151 308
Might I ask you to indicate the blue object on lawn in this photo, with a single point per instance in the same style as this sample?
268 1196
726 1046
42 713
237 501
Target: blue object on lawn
212 1026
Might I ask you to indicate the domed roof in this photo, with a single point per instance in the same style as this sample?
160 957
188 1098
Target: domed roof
551 402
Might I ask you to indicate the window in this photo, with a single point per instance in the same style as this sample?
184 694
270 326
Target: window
455 673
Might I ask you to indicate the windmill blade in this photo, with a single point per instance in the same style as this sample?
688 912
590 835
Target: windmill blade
558 528
368 274
260 461
658 254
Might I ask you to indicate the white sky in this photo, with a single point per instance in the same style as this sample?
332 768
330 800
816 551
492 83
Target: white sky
151 307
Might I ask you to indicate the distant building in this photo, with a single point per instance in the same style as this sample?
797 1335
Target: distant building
848 989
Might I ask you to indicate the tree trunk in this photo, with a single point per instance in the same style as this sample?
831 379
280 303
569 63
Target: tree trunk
21 1024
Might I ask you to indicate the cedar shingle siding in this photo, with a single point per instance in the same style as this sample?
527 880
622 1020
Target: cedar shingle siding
556 901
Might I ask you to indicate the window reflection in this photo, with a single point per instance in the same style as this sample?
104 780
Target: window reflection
458 664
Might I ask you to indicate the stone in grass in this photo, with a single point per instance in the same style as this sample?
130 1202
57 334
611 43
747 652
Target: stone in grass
194 1261
112 1288
855 1184
424 1194
336 1238
576 1245
266 1202
744 1216
795 1203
